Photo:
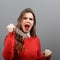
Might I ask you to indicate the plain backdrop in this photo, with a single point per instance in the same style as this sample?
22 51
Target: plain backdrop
48 21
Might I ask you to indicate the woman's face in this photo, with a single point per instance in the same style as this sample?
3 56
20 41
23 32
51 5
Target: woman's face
27 22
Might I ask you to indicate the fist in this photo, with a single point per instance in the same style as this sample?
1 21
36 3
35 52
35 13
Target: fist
10 27
47 52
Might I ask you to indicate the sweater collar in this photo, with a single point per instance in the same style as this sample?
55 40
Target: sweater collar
28 35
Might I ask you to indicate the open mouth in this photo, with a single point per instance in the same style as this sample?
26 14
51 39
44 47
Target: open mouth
27 27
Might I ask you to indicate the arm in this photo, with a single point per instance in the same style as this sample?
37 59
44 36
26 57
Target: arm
41 56
8 51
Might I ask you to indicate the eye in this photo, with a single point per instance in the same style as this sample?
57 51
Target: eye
24 17
30 19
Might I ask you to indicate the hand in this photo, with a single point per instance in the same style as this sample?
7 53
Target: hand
10 27
47 53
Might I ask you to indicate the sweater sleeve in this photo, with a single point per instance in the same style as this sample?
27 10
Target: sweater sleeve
8 51
39 52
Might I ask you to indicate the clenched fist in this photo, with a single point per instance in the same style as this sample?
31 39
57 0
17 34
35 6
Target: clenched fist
47 53
10 27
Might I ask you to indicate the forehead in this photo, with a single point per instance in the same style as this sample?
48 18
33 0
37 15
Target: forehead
28 15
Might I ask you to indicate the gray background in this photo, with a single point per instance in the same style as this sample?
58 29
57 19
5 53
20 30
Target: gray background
48 21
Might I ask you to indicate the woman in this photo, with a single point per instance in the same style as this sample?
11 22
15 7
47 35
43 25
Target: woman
18 48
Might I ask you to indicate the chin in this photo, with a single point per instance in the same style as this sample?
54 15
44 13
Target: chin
26 31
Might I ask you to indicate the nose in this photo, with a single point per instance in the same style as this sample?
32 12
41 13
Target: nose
28 19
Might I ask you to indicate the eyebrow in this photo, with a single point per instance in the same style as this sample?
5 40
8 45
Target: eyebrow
29 18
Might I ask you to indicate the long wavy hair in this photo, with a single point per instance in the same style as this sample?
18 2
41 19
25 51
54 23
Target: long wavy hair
19 39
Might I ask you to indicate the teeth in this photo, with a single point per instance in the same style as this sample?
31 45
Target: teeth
26 25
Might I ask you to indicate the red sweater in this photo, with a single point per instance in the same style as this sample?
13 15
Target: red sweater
32 49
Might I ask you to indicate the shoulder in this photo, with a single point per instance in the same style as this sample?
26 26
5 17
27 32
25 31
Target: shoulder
35 38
